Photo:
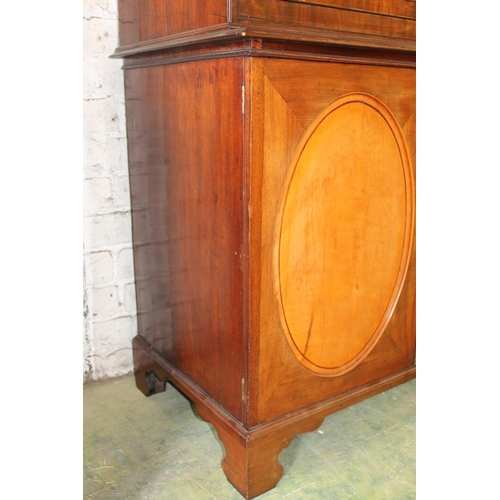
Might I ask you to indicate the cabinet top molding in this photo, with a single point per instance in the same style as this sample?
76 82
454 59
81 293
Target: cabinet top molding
152 25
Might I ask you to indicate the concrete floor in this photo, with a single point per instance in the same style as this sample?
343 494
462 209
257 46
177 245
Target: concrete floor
157 448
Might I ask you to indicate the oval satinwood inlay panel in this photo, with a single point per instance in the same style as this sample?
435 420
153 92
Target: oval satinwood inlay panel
343 234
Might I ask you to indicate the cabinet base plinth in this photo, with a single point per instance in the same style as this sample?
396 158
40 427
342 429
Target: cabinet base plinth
251 459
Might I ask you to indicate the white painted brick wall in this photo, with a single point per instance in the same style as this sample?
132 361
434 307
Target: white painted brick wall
109 288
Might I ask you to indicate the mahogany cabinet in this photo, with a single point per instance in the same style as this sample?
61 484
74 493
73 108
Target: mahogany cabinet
272 160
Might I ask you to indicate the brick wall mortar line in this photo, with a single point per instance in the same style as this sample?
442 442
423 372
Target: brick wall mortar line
114 281
112 248
107 211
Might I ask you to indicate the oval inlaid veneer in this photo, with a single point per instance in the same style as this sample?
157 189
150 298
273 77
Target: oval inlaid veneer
343 234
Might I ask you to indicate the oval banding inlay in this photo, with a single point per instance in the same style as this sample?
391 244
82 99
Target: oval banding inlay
343 234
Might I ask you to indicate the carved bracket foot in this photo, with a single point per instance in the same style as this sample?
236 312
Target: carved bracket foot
150 377
251 462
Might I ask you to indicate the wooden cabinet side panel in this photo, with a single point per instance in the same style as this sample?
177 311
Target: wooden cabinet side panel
141 20
293 94
184 126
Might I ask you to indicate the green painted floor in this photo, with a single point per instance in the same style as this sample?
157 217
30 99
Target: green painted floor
157 448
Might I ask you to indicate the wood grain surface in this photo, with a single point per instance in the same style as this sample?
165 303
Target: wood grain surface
343 234
184 126
389 17
287 97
